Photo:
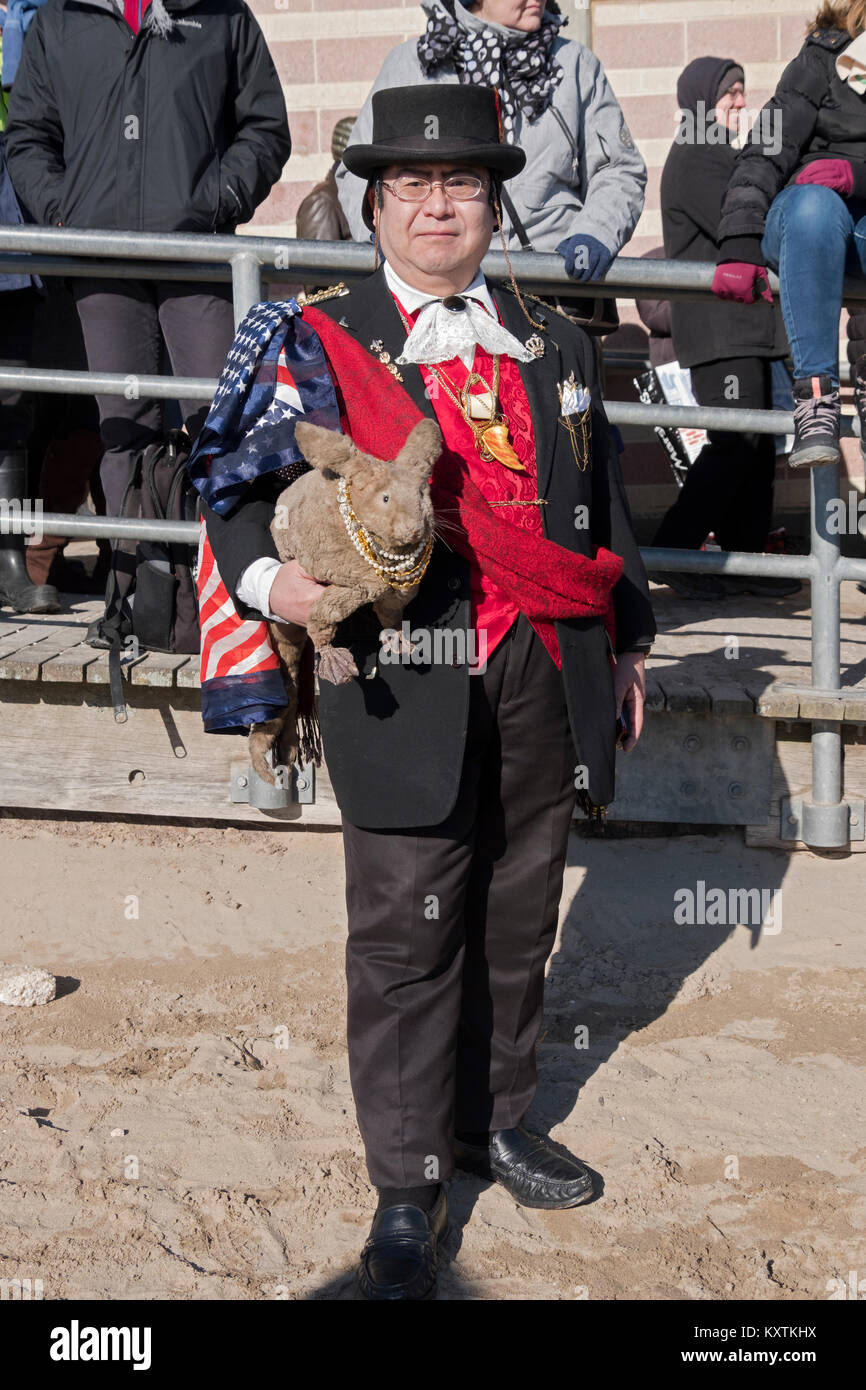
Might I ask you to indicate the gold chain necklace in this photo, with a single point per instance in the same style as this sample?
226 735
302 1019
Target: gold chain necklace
490 432
404 571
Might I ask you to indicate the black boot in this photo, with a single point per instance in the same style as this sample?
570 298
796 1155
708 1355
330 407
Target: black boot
16 587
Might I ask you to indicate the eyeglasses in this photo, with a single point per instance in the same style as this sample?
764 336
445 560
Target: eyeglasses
411 188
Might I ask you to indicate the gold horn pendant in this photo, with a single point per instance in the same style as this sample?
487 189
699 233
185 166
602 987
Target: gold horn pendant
495 441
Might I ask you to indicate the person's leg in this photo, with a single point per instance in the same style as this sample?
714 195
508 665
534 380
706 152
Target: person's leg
809 238
17 317
71 445
512 906
17 314
405 895
808 234
197 322
121 334
745 524
857 323
743 520
695 512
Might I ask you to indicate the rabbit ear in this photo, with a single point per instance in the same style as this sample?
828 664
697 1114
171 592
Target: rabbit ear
324 449
422 448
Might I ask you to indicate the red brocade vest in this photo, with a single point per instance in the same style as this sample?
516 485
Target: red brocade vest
492 611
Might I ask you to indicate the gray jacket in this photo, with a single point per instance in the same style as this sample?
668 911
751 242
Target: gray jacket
597 189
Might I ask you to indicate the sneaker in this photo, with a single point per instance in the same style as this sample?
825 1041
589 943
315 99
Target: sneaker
817 415
691 585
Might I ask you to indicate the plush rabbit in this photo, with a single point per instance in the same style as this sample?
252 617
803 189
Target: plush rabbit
354 523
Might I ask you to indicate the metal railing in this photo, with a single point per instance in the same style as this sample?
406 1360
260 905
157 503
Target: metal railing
823 818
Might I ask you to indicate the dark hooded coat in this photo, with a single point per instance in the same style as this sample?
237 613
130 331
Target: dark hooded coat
693 183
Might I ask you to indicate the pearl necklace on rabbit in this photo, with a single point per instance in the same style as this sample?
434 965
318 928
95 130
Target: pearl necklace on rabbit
403 571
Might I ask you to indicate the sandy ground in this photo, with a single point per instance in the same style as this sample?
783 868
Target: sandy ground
720 1098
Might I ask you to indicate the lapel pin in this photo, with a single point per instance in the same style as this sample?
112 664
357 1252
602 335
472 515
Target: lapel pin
535 345
378 347
575 401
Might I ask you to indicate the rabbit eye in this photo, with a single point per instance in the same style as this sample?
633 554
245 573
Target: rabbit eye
385 496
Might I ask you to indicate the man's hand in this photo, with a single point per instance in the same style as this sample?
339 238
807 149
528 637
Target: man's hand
293 593
629 684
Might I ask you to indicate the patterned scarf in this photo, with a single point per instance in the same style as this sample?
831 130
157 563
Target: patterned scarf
522 69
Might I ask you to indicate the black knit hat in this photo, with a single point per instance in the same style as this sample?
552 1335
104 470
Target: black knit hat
706 80
434 122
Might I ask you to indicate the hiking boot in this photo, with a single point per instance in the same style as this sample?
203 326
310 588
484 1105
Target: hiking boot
817 415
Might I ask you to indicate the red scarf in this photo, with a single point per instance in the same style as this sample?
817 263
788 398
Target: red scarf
544 579
133 13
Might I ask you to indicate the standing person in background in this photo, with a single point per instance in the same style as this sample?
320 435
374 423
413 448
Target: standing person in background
320 217
727 348
171 118
19 297
796 201
581 192
64 447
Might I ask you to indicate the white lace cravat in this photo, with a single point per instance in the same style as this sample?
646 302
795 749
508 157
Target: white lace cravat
452 327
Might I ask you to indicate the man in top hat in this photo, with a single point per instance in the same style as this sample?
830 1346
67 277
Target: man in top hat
457 777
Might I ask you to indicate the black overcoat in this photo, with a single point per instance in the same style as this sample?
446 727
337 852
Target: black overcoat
394 744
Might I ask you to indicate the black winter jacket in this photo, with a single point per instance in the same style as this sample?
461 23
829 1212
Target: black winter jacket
817 116
693 183
185 132
395 744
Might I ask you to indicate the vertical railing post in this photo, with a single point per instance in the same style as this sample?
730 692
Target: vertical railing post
246 282
825 815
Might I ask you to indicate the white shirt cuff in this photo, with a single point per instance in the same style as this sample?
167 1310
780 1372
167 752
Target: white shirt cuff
254 585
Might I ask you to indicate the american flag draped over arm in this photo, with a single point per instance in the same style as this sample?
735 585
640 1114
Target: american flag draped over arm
275 373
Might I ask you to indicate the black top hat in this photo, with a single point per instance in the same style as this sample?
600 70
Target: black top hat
435 122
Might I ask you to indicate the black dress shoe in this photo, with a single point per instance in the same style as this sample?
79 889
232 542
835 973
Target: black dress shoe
399 1259
529 1167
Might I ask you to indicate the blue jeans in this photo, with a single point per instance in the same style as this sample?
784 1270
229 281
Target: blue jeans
813 238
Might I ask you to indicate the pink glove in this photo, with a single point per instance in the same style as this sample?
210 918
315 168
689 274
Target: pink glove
830 173
741 281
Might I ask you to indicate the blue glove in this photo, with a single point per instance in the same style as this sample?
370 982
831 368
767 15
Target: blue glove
586 258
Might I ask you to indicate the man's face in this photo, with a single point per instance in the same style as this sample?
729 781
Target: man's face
440 240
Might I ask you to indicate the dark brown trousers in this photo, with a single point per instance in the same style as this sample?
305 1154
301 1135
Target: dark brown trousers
450 927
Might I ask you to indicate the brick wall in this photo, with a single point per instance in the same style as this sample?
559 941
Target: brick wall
645 47
328 53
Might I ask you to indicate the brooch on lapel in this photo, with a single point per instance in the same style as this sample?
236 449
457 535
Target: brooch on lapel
535 345
575 414
384 357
